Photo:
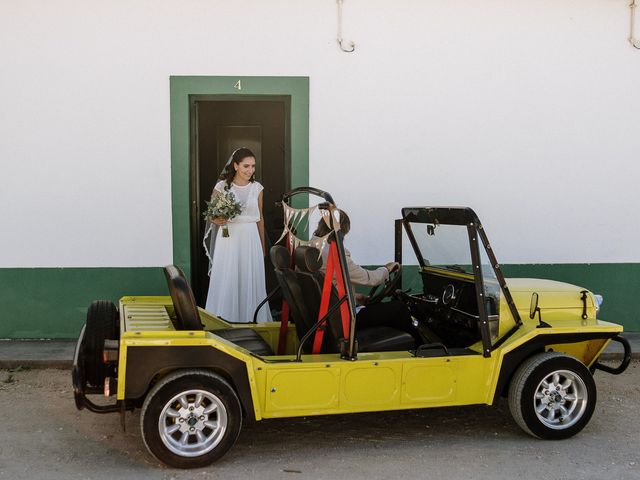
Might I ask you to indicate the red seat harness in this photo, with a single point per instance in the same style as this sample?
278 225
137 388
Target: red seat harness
333 268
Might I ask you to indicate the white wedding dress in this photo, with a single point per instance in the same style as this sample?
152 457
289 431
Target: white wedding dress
237 283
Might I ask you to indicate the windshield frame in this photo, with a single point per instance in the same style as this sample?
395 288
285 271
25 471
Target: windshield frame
465 216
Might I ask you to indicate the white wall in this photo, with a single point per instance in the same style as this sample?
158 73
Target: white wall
526 111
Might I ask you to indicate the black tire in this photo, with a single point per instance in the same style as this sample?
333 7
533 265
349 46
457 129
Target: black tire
162 429
552 396
101 325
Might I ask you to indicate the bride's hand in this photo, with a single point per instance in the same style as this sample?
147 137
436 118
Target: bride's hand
218 220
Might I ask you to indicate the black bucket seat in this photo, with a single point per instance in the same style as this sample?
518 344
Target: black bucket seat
370 339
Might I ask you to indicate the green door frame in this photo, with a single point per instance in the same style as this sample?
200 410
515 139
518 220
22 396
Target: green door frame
181 88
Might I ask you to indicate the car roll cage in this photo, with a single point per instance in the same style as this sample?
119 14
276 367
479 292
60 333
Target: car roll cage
432 215
336 264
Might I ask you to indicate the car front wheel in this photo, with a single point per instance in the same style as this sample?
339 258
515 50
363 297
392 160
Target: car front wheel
552 396
190 419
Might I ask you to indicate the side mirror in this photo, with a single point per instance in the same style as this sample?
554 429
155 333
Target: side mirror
533 308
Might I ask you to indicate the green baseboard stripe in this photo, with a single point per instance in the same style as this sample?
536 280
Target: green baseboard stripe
618 283
52 302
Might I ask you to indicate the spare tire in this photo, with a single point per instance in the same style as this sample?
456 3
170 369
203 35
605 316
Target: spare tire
101 325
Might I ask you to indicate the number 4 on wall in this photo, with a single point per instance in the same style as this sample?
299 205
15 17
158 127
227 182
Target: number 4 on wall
238 85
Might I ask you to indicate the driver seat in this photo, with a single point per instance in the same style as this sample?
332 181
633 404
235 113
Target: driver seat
370 339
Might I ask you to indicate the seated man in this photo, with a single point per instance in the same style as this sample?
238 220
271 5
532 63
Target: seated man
391 314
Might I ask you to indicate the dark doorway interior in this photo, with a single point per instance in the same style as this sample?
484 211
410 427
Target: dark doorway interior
218 127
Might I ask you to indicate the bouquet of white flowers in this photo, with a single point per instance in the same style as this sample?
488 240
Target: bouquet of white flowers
223 206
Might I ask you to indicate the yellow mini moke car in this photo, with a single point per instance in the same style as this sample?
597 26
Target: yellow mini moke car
197 377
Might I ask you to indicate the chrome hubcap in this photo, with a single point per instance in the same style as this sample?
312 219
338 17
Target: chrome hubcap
192 423
560 399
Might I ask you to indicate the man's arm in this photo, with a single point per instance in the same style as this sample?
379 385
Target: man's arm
361 276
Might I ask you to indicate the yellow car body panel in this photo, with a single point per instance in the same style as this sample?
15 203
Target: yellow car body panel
557 300
326 384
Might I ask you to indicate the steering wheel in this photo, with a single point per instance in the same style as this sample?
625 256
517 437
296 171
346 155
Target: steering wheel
378 293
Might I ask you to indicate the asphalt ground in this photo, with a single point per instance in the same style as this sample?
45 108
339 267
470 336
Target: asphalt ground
43 436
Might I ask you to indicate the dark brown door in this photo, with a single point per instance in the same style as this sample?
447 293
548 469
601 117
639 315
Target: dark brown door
219 126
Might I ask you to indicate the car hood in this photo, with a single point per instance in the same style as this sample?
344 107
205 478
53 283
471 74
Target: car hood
551 294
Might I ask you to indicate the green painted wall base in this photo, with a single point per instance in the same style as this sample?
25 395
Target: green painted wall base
52 302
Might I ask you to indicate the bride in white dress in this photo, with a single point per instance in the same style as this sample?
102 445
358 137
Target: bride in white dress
237 283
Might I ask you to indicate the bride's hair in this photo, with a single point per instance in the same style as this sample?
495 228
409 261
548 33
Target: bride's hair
322 229
236 157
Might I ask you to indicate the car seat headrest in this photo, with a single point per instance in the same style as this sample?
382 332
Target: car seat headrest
184 303
280 257
308 258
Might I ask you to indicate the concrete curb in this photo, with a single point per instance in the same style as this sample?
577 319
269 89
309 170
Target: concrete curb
37 354
36 364
617 357
58 354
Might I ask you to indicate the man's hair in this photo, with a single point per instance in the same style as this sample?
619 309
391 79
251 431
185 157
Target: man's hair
323 229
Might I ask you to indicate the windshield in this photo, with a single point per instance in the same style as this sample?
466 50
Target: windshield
443 246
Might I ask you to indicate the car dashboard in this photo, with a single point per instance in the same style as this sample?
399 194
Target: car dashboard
447 307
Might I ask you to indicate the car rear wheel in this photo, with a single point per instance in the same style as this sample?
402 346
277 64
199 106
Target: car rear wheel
191 419
552 396
101 325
